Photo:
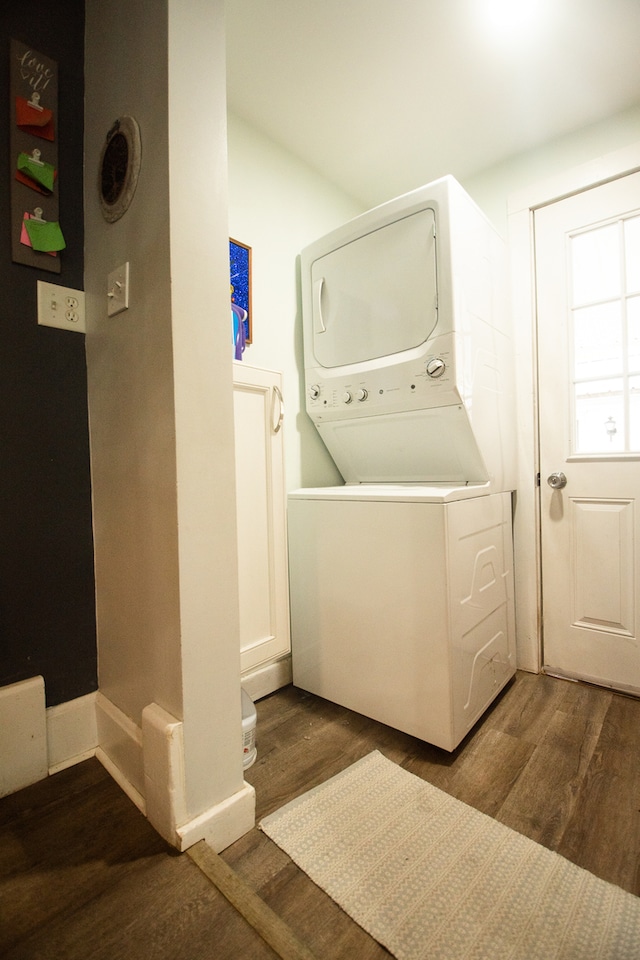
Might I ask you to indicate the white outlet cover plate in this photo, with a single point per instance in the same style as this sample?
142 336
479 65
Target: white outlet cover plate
61 307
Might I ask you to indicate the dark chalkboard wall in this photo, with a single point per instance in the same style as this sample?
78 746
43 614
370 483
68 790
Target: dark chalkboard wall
47 594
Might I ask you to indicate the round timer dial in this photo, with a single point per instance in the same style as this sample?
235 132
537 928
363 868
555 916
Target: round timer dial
435 367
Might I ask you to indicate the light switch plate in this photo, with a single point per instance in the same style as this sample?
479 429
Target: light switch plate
61 307
118 290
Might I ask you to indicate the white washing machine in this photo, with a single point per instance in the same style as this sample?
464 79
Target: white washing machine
402 603
402 580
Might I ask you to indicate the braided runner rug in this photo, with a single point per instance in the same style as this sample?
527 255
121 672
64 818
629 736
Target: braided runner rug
434 879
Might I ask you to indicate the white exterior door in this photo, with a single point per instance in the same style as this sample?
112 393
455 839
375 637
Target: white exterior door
588 294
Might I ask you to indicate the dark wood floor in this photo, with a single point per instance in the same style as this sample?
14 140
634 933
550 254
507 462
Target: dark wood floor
82 874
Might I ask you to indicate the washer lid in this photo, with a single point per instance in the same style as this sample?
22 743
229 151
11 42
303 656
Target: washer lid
396 492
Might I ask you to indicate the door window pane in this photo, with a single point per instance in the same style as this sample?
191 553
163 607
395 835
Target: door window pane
599 417
597 341
633 335
634 413
632 253
605 337
595 265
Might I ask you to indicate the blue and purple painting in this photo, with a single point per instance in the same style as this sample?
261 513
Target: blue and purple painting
240 274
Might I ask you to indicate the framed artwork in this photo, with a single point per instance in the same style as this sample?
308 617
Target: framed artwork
240 279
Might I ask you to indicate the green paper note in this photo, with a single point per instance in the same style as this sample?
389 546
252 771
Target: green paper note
42 173
45 236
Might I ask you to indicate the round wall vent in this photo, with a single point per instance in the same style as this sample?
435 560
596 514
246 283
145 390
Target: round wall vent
119 168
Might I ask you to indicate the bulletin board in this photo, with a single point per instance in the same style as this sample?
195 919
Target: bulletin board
36 234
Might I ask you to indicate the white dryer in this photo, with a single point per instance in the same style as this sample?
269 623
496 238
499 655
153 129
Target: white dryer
407 346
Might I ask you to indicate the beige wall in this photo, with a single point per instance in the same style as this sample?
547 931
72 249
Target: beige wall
130 371
277 205
492 188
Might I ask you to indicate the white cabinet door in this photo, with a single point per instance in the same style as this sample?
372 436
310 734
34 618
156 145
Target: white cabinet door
261 510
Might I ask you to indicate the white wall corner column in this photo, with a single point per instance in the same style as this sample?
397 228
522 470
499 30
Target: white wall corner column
161 422
216 802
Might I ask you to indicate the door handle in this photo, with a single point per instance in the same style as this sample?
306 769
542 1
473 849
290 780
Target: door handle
557 480
318 319
277 395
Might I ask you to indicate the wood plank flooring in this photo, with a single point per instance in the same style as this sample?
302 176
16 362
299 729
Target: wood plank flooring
82 874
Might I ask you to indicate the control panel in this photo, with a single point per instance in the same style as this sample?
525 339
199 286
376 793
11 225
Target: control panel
412 384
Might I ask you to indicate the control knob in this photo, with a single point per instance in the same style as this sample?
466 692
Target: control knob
346 397
435 367
362 394
314 391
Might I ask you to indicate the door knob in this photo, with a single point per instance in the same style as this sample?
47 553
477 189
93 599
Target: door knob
557 480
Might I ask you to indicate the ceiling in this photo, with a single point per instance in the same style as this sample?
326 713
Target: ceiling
382 96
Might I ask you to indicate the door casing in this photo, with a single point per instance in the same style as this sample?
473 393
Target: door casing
521 207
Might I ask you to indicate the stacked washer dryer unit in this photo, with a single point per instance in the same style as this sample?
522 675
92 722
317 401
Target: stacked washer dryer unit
402 578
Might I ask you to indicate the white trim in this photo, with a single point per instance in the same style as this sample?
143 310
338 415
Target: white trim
521 207
165 793
72 732
148 764
262 681
23 735
39 739
597 681
164 777
116 773
223 823
120 748
587 175
525 516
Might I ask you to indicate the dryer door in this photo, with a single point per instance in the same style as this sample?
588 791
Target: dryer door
376 296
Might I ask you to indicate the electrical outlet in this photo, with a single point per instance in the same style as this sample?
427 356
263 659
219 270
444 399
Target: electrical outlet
118 290
61 307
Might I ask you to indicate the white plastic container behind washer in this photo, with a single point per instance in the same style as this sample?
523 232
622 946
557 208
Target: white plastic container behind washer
249 718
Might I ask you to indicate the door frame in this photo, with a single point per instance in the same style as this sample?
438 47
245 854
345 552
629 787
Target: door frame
527 519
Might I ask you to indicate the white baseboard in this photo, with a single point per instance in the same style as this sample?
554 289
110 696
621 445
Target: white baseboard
134 795
23 735
72 732
164 778
166 805
223 824
120 750
36 740
265 680
147 763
